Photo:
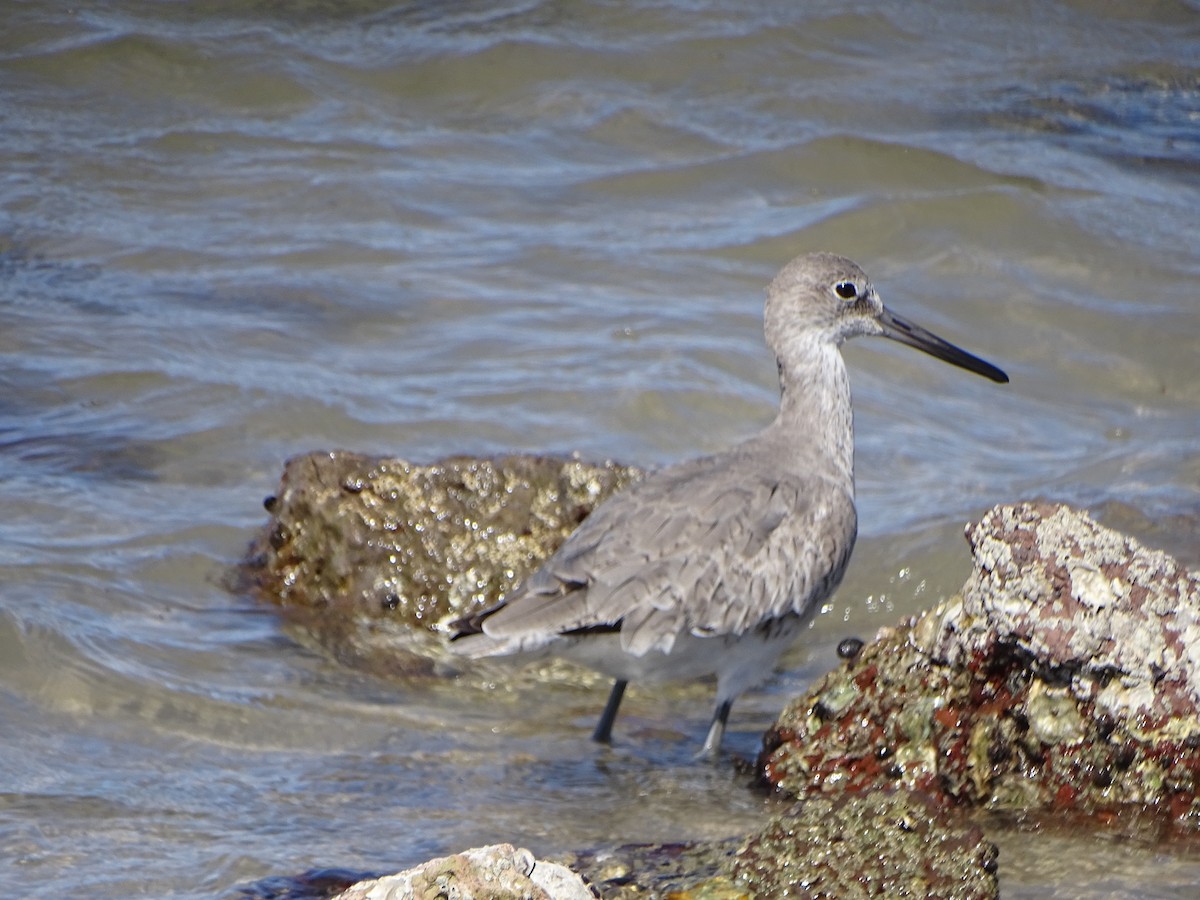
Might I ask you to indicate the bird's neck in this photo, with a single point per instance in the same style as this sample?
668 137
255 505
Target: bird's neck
815 418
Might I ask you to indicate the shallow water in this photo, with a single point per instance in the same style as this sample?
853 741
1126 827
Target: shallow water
234 232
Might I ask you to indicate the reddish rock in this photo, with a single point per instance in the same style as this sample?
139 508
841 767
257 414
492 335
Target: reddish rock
1064 677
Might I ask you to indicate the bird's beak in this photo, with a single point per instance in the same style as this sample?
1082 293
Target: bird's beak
897 329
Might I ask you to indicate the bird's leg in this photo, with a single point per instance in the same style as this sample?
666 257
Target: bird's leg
603 732
716 731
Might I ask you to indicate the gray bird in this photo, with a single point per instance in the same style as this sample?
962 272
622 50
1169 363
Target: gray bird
711 566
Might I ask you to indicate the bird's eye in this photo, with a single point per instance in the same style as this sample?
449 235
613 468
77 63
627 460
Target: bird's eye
847 290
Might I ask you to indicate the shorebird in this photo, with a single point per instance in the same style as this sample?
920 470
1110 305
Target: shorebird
711 566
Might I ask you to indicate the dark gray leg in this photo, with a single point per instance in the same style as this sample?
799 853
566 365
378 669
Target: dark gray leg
716 731
603 732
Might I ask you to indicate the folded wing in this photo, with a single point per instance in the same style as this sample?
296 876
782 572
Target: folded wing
687 550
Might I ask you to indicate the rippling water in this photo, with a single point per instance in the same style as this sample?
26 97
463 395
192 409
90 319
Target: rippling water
233 232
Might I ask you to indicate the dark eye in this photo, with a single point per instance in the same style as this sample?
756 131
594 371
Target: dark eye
847 290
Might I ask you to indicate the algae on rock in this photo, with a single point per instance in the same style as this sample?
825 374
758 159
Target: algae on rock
370 555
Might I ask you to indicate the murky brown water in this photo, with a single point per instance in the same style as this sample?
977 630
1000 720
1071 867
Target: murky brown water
233 232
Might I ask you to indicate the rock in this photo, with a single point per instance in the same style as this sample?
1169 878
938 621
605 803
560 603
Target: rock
1120 624
884 844
498 872
370 555
1064 678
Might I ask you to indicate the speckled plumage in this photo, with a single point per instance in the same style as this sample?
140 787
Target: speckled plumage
711 566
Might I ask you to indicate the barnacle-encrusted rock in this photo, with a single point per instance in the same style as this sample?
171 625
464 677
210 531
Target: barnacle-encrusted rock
1118 622
369 555
884 844
1065 677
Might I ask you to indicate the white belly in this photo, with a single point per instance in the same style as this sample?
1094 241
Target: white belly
738 661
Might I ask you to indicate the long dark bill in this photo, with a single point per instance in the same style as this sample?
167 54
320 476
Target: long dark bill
897 329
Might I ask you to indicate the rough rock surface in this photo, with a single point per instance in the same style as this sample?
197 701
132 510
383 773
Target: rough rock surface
1119 622
369 555
498 872
885 844
1063 678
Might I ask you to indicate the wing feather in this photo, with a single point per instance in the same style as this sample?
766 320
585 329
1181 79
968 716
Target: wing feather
688 550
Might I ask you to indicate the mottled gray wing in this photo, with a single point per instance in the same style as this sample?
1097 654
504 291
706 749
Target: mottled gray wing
689 549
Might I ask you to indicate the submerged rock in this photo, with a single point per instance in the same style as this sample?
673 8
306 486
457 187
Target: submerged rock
1066 676
498 872
683 870
369 555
